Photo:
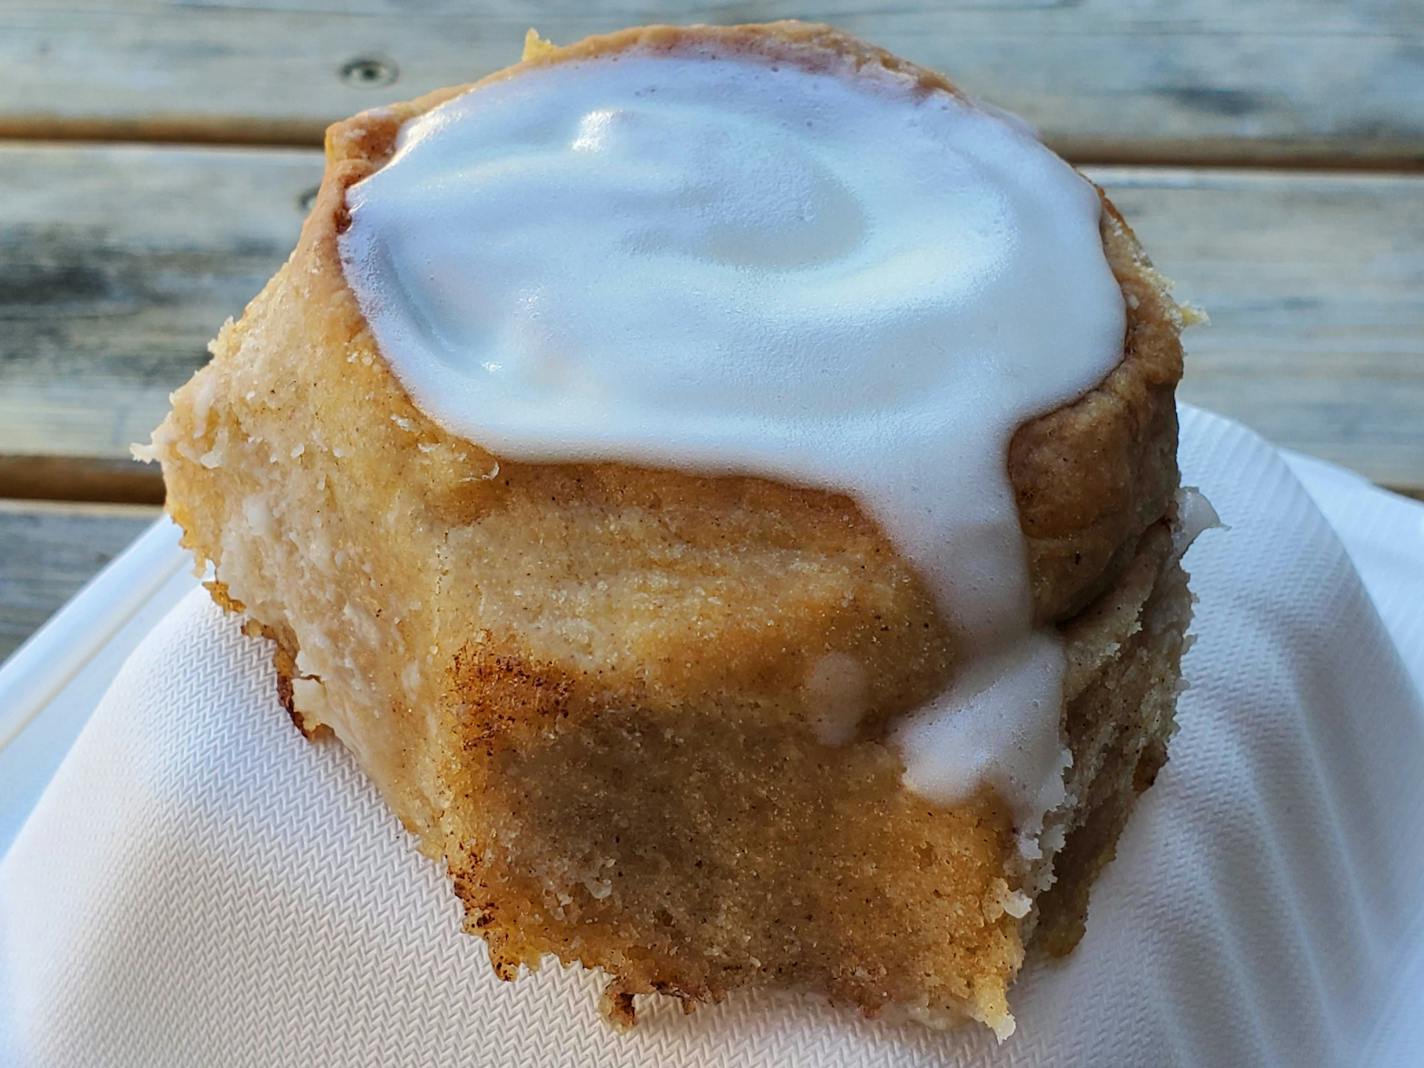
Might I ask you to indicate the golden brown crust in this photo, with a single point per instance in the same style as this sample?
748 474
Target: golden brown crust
1093 475
480 632
542 770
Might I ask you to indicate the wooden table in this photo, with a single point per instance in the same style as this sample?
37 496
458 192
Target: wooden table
158 158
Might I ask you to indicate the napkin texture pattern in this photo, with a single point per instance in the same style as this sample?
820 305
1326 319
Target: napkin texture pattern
199 885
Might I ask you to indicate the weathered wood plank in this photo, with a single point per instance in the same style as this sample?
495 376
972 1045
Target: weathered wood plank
118 263
47 551
1315 287
1207 82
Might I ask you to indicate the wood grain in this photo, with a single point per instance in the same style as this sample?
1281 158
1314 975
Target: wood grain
1208 82
47 551
1315 288
118 263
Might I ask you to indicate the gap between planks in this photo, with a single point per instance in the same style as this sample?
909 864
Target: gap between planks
1081 153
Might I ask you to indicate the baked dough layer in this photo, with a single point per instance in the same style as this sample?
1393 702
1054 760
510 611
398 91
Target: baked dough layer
583 685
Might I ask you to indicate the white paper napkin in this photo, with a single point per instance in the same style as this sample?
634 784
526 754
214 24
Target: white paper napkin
201 886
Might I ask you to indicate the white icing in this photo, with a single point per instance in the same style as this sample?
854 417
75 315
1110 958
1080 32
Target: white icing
1195 516
722 265
839 690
